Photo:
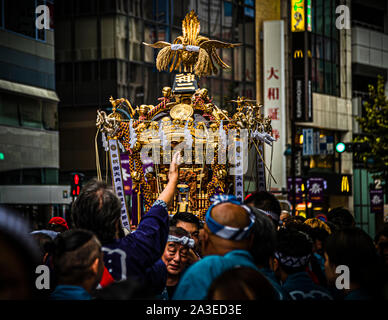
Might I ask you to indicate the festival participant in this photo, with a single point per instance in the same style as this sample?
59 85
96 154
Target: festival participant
191 224
225 240
44 242
242 283
19 257
58 224
381 243
266 203
78 265
98 209
381 236
175 257
319 233
314 267
292 255
263 249
354 249
340 218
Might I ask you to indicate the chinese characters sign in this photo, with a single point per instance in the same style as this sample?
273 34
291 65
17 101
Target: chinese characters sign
274 98
117 180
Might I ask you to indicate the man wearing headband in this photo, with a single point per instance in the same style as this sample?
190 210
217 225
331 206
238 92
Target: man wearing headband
292 255
189 222
266 203
176 258
225 240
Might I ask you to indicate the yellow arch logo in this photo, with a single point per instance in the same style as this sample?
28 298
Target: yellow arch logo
345 184
298 54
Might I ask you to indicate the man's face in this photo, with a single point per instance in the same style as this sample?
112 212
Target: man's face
190 228
329 270
175 257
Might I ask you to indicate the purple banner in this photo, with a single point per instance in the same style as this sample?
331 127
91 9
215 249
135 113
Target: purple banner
315 187
127 181
376 200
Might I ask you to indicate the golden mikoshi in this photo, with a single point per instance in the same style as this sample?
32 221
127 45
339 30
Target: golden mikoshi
182 109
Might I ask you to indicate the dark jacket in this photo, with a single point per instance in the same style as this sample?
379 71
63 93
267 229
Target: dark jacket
135 255
301 287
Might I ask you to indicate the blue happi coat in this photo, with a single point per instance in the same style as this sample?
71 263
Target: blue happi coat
136 255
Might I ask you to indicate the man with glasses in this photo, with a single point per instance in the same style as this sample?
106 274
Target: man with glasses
191 224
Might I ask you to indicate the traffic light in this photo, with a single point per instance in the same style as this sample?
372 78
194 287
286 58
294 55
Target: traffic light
76 183
340 147
352 147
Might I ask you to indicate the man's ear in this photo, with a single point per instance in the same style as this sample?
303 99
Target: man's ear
274 264
95 266
45 257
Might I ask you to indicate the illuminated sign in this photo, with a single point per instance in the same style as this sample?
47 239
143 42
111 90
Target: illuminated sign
298 54
309 19
297 15
345 184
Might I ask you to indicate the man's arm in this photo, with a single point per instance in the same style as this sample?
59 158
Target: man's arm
168 192
149 239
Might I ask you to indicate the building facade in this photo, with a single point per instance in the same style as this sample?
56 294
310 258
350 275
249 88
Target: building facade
29 145
369 25
325 69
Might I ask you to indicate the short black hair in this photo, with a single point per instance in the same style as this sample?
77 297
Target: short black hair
341 218
294 219
74 252
265 201
293 243
264 239
178 232
98 209
185 217
44 243
242 283
354 248
382 232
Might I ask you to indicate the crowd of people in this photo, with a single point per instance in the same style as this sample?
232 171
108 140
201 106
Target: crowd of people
242 251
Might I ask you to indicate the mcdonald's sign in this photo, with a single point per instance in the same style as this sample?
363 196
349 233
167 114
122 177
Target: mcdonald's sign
298 54
336 184
345 184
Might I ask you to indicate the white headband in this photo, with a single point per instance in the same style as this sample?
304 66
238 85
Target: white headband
182 240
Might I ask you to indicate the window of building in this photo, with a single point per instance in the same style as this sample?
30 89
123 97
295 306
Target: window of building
50 115
135 22
86 38
370 17
20 17
50 176
9 114
30 112
325 48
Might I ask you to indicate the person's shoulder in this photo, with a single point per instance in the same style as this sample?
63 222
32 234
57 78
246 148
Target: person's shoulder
119 244
206 261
